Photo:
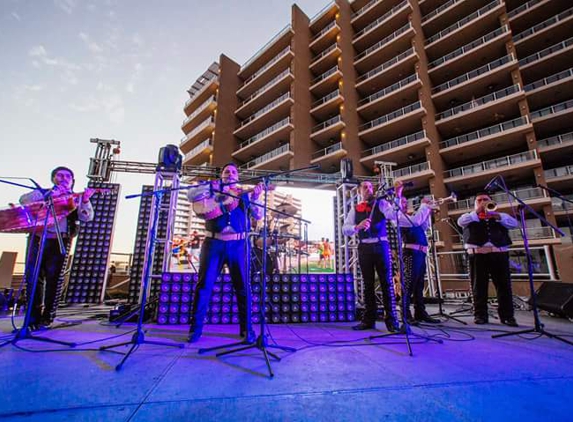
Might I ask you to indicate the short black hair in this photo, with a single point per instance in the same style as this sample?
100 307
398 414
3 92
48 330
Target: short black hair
230 163
57 169
483 193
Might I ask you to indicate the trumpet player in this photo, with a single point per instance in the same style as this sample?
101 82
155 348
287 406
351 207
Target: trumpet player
487 241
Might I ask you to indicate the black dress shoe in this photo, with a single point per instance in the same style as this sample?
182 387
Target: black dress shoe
364 326
481 320
511 322
425 317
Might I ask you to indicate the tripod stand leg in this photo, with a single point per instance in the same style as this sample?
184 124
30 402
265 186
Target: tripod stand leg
240 349
114 345
120 364
224 346
284 348
266 354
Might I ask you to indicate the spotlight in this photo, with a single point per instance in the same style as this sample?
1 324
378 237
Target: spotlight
170 159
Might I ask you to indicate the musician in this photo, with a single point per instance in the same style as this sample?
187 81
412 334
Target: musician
486 240
373 255
226 243
48 288
413 227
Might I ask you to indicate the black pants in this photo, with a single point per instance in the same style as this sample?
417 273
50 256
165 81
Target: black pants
496 266
375 257
214 254
414 272
48 288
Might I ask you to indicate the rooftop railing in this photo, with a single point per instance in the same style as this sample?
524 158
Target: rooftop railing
479 102
390 116
483 133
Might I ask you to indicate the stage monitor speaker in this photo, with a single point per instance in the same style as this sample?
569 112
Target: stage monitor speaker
556 298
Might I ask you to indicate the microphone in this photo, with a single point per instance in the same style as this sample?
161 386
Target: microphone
444 220
491 185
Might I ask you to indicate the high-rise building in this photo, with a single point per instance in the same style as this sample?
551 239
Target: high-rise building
453 92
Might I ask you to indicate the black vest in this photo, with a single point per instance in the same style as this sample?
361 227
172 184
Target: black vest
414 235
235 219
378 225
486 231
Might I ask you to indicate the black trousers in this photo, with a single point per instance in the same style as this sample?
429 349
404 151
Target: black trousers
214 254
496 266
50 279
414 272
375 257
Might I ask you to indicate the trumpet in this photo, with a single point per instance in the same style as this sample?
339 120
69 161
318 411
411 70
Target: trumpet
435 203
490 206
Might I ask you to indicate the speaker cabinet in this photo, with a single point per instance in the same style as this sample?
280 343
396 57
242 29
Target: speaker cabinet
556 298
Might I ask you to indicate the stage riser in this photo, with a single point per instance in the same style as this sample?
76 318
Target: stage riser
290 298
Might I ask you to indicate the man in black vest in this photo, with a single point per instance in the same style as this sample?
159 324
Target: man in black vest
226 243
373 255
413 230
486 240
48 288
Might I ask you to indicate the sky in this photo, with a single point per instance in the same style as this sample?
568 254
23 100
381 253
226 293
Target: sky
72 70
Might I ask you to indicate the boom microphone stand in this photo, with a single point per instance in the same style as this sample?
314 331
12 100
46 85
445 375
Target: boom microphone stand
406 330
138 337
522 207
262 342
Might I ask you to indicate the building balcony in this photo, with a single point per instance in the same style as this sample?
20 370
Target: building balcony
558 110
325 37
481 46
419 174
326 82
526 8
561 207
500 137
391 124
560 178
470 82
555 147
412 82
396 150
392 19
277 158
551 87
534 197
276 86
545 60
366 12
209 88
467 24
327 105
204 110
397 40
439 12
535 236
502 102
202 131
329 156
327 130
259 143
200 153
266 52
561 19
263 118
270 70
400 64
476 176
325 60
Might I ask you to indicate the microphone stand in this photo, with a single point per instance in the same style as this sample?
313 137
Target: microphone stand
522 207
24 331
262 342
406 329
138 337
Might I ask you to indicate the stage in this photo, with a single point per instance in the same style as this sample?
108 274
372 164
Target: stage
336 375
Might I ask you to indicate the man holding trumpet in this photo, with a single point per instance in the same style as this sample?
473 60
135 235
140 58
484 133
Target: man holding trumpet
487 241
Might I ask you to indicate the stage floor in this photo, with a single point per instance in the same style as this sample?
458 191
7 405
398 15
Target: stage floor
336 375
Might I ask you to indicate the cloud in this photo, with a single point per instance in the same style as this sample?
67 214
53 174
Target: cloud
67 6
33 87
107 101
92 45
16 16
38 51
135 77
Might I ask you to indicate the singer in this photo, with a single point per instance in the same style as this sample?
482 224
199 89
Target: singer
48 290
226 242
368 221
486 240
